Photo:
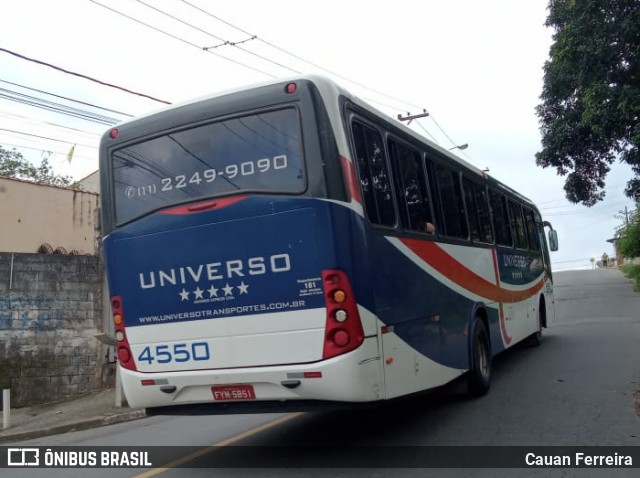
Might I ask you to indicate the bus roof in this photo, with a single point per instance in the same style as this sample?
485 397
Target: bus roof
329 88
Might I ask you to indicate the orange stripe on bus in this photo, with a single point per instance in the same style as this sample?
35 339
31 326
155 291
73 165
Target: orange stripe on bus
448 266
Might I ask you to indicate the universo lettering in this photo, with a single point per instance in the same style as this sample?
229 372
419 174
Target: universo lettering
213 271
510 260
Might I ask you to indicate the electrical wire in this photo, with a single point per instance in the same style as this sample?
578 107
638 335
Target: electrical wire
65 98
80 75
315 65
252 36
175 37
42 103
614 186
293 55
75 155
224 42
47 138
48 123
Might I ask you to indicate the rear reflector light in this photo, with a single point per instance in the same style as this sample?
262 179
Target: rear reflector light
124 356
124 350
313 375
340 338
147 382
343 329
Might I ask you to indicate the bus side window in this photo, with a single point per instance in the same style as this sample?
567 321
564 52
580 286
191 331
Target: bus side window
484 215
413 198
472 209
455 223
532 232
374 175
517 226
500 219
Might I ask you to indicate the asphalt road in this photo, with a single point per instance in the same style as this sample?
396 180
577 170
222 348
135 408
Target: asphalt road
577 388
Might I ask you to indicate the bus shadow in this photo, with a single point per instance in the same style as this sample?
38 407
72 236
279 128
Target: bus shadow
401 421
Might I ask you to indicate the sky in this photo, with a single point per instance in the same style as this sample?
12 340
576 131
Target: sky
476 67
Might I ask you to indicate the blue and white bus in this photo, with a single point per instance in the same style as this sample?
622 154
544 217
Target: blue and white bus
289 244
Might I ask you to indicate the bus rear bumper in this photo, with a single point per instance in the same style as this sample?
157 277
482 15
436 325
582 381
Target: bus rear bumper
353 377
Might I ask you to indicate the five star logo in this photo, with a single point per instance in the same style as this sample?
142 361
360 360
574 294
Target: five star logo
198 293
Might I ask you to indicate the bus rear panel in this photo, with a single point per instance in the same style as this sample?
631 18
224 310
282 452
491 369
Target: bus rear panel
221 265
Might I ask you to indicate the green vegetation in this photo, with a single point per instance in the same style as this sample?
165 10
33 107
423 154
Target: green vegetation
633 272
629 235
13 165
590 110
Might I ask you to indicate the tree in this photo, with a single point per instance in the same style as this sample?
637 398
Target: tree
13 165
628 242
590 110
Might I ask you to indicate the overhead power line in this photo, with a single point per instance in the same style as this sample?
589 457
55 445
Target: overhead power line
47 138
48 123
297 57
65 98
56 107
315 65
250 36
80 75
175 37
45 150
215 37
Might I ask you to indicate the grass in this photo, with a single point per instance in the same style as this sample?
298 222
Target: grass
633 272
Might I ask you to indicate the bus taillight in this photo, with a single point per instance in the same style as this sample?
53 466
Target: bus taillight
343 330
122 343
291 88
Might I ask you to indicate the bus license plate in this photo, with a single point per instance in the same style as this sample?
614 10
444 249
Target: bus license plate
233 392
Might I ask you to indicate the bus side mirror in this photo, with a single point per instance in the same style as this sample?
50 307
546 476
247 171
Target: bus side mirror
553 240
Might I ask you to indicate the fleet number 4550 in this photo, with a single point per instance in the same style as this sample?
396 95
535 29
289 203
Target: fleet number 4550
177 352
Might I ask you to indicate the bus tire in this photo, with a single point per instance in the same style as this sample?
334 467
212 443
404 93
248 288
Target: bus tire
479 375
535 339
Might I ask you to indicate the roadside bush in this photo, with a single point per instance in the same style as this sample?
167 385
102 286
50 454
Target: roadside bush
633 272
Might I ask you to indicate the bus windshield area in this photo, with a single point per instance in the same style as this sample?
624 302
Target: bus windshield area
259 153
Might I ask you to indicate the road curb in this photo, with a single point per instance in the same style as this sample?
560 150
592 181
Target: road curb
76 426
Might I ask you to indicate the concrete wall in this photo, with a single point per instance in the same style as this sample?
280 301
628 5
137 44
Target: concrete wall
50 312
35 214
91 183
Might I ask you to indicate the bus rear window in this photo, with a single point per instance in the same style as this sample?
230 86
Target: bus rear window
258 153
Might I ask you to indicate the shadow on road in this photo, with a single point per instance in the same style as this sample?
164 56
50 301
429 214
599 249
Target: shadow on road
404 421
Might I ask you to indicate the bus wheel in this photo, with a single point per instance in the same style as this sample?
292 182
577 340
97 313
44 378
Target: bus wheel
535 339
479 375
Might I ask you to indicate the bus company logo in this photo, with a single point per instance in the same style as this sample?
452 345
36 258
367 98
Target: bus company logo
23 457
512 260
214 294
214 281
